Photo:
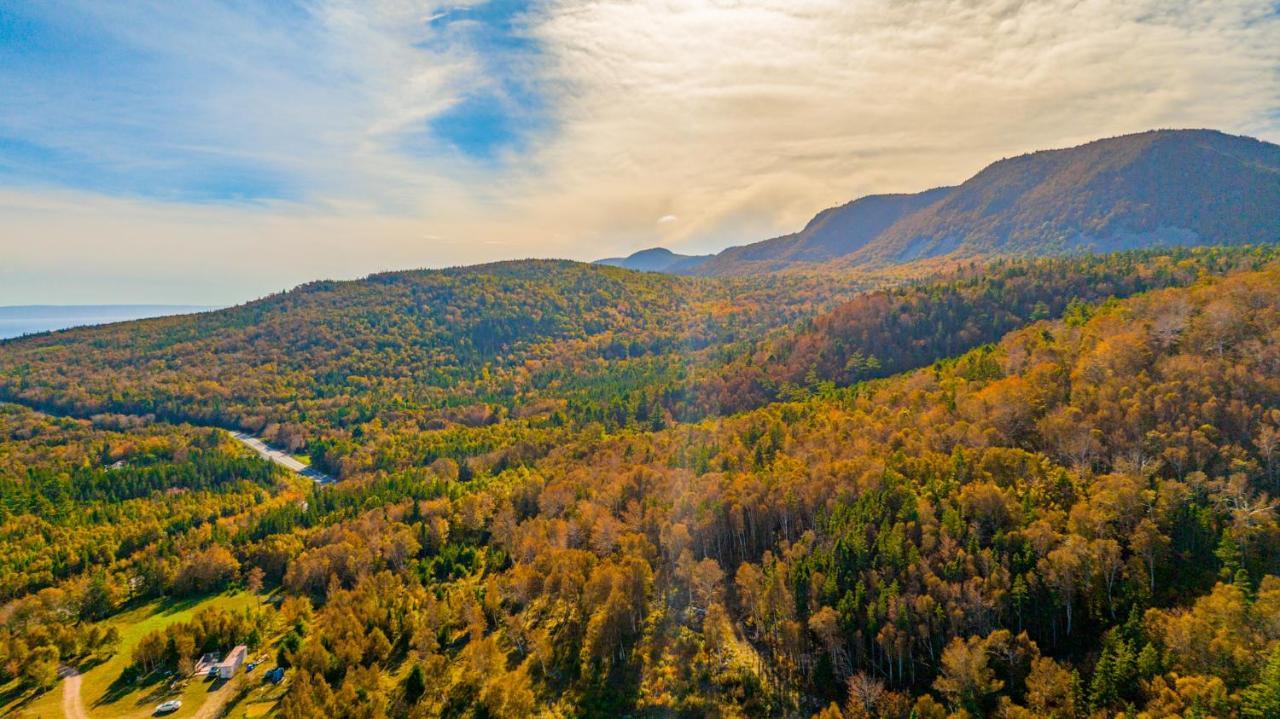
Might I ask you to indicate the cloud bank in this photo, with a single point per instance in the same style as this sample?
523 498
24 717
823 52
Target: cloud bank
212 152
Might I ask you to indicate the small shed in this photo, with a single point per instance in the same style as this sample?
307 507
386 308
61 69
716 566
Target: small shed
227 667
208 663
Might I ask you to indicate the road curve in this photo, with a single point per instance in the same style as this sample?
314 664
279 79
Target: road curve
257 445
281 458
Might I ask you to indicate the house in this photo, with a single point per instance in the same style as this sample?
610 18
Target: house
227 667
275 676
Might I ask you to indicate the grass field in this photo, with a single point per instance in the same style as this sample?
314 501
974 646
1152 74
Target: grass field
103 695
257 703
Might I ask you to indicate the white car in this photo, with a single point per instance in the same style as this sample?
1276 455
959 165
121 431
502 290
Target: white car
170 706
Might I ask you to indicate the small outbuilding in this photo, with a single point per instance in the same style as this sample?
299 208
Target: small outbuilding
227 667
208 665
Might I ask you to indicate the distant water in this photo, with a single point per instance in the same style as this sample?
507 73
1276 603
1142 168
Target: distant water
21 320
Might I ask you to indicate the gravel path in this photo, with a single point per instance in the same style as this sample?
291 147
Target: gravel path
217 701
72 706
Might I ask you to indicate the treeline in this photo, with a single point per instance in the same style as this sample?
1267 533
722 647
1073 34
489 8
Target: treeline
178 646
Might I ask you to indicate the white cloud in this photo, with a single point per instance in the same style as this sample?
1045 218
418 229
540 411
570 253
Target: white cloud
740 118
767 111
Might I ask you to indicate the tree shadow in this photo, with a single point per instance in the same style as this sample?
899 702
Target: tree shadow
173 606
158 694
13 693
127 682
91 662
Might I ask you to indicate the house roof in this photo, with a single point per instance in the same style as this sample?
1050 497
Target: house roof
237 653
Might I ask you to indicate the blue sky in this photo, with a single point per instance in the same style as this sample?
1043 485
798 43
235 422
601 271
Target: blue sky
93 108
154 100
209 152
509 109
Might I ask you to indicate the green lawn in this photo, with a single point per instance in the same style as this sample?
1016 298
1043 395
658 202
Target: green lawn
105 696
259 702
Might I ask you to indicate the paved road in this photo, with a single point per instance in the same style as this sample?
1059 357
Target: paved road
266 452
281 458
72 705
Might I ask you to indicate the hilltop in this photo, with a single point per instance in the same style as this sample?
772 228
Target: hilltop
657 259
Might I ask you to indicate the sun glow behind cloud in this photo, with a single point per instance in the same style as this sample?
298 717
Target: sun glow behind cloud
211 152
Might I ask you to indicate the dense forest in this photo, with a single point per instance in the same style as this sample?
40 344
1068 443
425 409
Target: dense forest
879 333
494 365
430 350
1036 488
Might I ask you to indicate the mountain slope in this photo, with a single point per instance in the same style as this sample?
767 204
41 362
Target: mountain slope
1158 188
562 342
834 232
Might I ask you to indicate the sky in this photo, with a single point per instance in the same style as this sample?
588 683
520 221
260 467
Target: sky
213 152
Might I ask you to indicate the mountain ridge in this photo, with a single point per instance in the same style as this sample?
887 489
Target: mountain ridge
828 235
1162 187
1155 188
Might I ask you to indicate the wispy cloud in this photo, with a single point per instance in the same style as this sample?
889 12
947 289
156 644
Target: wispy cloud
212 101
344 136
766 111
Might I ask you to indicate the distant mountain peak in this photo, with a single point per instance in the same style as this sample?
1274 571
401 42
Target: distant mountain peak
655 259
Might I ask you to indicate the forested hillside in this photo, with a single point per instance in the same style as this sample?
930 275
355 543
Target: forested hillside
494 365
551 342
97 514
883 332
965 536
1074 521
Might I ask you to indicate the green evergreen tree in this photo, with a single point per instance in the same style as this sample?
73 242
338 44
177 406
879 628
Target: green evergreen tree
1262 699
1228 552
1149 664
415 685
